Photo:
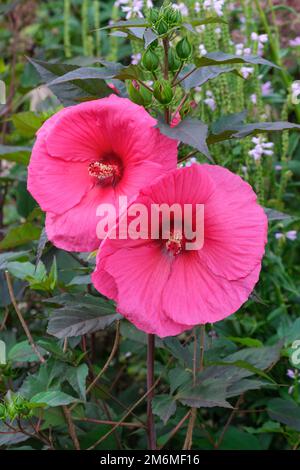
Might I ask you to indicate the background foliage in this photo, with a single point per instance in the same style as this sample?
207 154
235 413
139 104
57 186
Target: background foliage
81 381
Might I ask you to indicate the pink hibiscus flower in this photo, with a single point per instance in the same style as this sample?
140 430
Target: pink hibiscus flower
165 289
89 154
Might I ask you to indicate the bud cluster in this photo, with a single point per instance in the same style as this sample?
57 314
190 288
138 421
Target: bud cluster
164 18
15 407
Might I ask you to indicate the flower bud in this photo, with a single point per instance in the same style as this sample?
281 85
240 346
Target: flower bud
183 49
173 60
146 95
161 26
150 60
163 91
171 16
153 15
134 94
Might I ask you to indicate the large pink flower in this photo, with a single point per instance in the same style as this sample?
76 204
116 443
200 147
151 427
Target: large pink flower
90 154
165 289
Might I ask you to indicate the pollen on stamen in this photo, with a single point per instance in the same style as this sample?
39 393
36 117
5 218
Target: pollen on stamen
174 244
105 172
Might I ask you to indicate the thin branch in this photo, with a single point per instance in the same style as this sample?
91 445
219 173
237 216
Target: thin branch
185 76
228 422
71 427
21 318
109 422
150 380
110 358
176 429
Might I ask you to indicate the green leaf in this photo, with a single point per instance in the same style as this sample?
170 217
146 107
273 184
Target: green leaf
273 214
53 398
178 377
258 127
23 352
134 23
149 37
73 91
26 270
250 342
15 154
285 411
78 317
221 58
190 131
76 376
236 439
10 256
243 385
164 406
86 73
132 72
20 235
210 393
27 123
202 75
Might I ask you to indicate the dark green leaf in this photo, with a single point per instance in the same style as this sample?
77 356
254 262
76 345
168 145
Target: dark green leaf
164 406
53 398
221 58
286 412
202 75
190 131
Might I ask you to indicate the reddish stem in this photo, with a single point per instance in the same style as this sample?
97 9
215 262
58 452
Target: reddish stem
150 382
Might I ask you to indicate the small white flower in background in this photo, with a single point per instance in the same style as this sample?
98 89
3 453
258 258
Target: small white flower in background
261 148
218 31
149 4
266 89
197 7
210 101
131 7
261 39
191 161
244 169
295 42
240 49
216 5
278 167
182 8
200 28
294 375
291 235
279 235
246 71
135 58
296 92
253 98
202 49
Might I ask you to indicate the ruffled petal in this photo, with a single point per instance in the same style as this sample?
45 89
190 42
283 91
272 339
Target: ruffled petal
76 229
140 275
55 184
235 226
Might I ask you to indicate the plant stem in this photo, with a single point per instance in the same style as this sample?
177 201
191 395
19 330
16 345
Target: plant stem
189 434
20 316
150 382
71 427
166 73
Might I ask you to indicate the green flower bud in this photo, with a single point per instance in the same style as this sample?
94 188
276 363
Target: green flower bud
163 91
171 16
146 95
173 60
183 49
150 60
135 95
153 15
161 26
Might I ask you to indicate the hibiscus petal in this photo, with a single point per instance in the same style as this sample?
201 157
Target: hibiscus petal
235 226
55 184
75 230
140 275
193 295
